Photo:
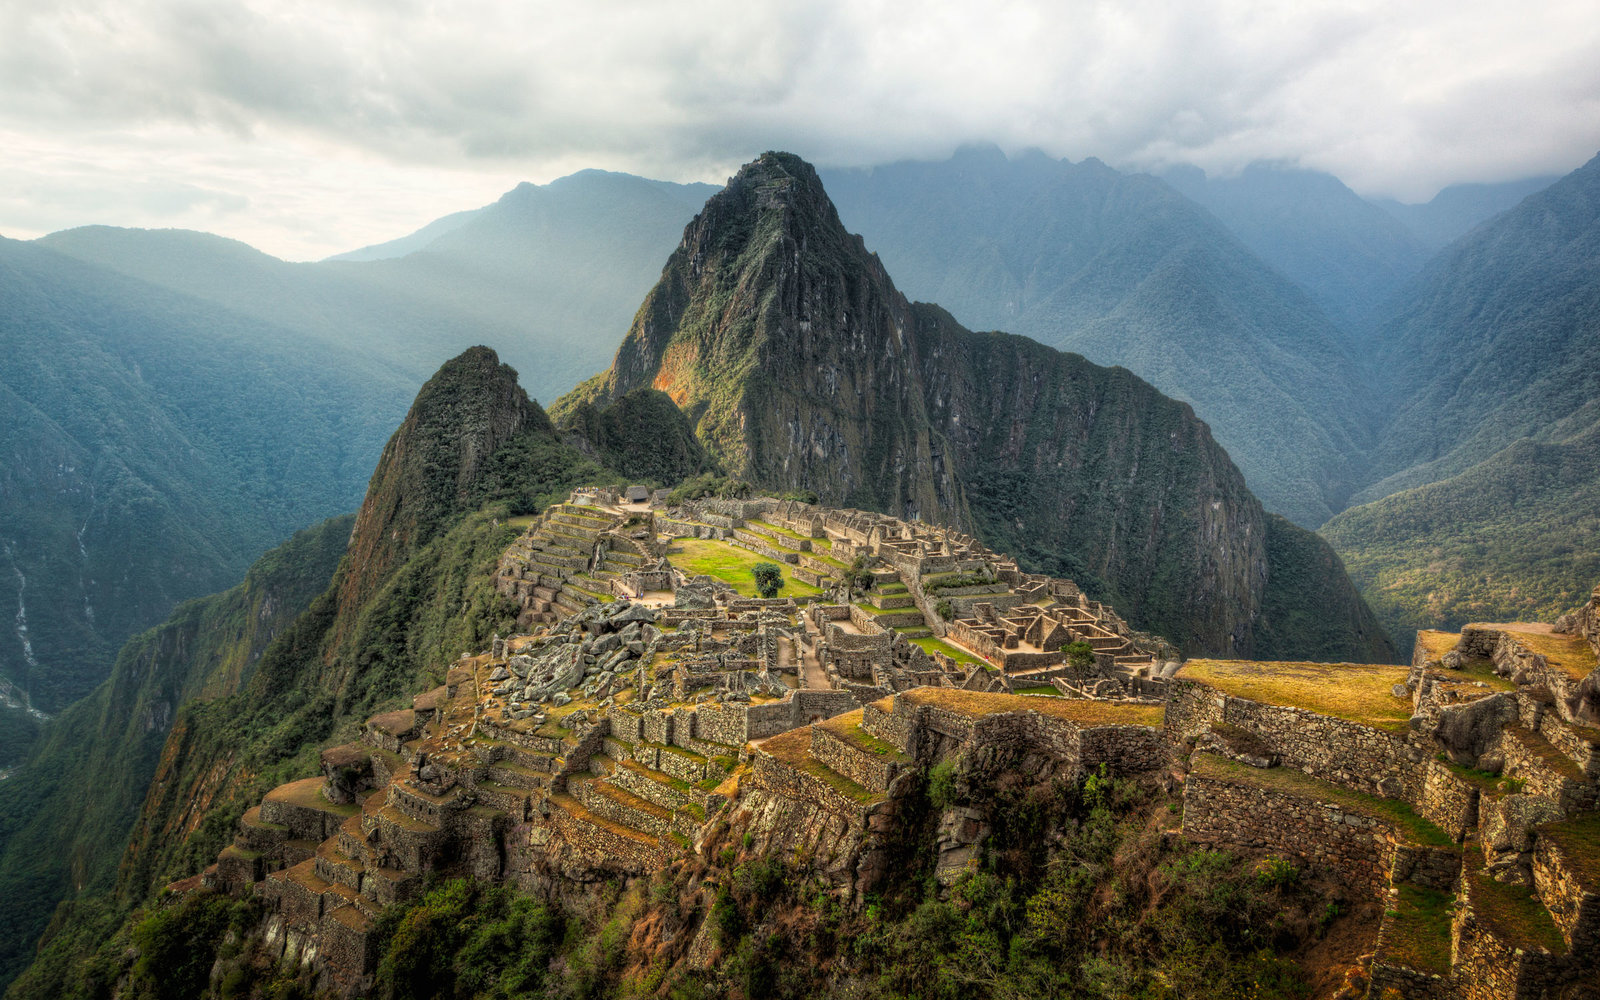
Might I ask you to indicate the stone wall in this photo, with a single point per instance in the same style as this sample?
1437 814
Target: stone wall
1322 835
1573 902
867 770
1447 801
1349 754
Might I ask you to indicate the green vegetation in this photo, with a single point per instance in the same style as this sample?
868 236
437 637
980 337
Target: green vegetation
65 815
463 939
1416 932
415 589
1044 689
1516 538
1079 654
768 577
730 564
1514 912
155 446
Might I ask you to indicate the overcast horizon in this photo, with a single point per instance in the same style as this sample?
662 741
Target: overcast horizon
307 129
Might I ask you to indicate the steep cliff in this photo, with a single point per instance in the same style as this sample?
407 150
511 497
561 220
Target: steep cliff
784 341
67 811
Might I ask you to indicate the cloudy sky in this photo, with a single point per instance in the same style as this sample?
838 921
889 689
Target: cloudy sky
307 127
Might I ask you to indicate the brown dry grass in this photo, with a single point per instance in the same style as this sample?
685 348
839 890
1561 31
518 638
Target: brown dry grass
1356 692
1084 713
307 794
793 749
1437 643
1570 654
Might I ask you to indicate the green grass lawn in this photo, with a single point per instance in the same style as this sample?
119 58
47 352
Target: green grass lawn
732 565
961 656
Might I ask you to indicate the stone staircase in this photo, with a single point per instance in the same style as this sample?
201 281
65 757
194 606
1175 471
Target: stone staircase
559 566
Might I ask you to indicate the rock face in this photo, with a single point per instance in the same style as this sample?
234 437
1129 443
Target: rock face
801 367
470 407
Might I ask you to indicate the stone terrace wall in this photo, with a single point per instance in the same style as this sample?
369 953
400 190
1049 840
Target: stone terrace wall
1322 835
1346 753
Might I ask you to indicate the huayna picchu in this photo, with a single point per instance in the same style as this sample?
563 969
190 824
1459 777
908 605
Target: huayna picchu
651 710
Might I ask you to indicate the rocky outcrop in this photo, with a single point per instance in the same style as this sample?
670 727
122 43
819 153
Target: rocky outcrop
801 367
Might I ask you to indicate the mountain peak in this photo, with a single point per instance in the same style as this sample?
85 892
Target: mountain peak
461 415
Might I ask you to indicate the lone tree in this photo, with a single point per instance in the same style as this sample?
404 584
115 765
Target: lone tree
1080 655
769 578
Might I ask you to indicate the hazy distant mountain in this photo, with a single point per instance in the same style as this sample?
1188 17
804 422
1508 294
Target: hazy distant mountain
1454 211
412 242
553 272
1492 357
1126 270
1497 340
1347 253
153 445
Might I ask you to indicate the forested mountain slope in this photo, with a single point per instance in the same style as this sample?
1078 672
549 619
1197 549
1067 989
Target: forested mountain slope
66 813
153 445
1125 270
1488 474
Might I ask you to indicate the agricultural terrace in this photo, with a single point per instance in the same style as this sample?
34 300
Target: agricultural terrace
732 565
1356 692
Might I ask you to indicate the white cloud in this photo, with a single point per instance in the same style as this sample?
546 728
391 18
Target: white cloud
308 126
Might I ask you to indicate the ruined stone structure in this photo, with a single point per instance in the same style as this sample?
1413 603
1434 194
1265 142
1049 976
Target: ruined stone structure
613 736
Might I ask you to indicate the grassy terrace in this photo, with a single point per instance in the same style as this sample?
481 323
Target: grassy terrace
732 565
1542 748
1417 931
1356 692
307 794
1037 689
848 728
1084 713
1579 840
794 749
1291 782
1570 654
1437 643
785 532
955 653
1513 913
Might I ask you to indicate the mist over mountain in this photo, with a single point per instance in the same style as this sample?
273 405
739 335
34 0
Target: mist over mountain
787 345
154 445
1349 255
1125 270
1485 476
551 271
1459 208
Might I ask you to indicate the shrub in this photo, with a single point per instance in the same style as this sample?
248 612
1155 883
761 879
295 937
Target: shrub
769 578
944 609
942 784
